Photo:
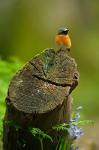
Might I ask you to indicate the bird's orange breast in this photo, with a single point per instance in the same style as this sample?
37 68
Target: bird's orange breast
65 39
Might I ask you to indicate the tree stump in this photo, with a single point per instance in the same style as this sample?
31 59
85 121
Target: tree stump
39 96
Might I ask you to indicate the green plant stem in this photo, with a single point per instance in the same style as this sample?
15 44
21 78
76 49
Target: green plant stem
63 144
58 144
67 145
41 142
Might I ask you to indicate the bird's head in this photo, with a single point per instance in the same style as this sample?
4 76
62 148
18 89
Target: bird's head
63 31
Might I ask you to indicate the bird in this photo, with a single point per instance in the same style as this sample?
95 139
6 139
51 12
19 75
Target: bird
62 39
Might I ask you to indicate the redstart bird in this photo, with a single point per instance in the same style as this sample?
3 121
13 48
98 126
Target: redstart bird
63 40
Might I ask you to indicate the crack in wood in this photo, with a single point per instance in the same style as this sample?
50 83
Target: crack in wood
52 82
34 66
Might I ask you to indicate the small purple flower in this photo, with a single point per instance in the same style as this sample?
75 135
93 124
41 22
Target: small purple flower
77 115
75 132
71 148
77 148
76 118
79 108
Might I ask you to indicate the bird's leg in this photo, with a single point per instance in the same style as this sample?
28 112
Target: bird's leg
68 49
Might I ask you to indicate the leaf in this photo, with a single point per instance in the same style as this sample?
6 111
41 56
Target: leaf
61 127
84 122
40 134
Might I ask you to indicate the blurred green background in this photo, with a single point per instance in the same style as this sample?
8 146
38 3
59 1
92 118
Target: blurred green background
29 26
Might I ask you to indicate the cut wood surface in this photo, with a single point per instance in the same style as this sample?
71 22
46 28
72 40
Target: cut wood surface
39 96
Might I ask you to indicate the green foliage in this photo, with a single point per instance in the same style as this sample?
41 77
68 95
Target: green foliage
61 127
63 144
83 122
7 70
40 134
71 131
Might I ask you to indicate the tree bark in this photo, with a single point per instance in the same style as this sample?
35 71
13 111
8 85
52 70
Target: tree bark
39 96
